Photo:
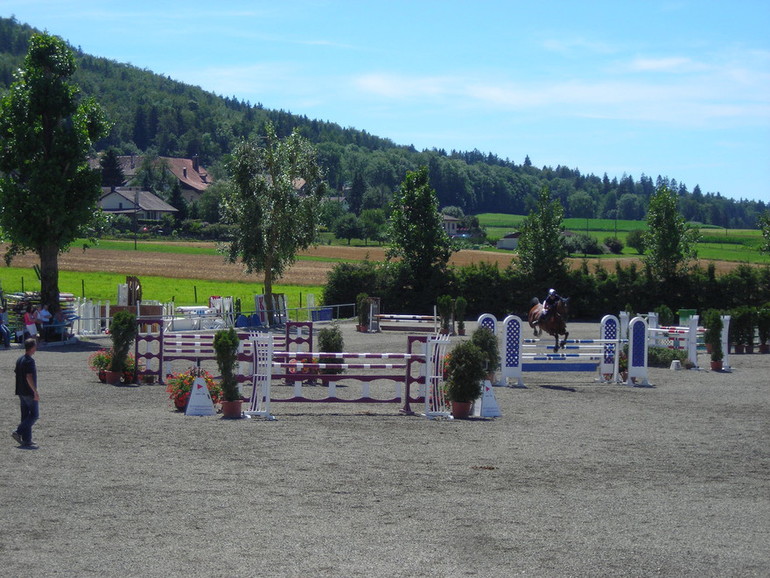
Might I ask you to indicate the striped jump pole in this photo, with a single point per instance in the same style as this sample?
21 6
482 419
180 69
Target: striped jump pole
601 354
425 355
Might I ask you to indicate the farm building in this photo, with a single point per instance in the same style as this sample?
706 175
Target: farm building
510 242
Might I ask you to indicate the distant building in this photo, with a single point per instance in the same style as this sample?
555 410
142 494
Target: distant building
510 242
193 179
450 225
132 200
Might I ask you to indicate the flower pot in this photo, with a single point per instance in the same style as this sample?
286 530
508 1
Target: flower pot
739 348
232 409
716 365
764 348
461 409
749 349
181 403
362 328
112 377
102 375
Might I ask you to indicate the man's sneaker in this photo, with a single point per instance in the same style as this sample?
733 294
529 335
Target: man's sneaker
30 445
15 435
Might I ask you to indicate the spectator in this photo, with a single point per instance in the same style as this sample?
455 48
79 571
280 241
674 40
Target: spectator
30 328
5 331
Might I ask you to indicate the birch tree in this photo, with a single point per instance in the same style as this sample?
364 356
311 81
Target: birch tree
273 219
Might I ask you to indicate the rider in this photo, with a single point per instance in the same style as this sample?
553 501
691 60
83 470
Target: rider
552 299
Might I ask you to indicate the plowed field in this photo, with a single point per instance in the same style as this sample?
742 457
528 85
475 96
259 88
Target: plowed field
304 272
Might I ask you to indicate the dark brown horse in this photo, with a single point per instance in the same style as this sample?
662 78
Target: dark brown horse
556 322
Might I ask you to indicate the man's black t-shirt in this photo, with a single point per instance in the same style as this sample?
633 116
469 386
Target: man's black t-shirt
24 366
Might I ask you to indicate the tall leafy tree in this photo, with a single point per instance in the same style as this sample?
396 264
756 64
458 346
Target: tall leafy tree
416 231
273 220
48 193
669 242
372 224
764 226
542 253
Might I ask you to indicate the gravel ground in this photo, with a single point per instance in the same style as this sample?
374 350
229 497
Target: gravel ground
575 479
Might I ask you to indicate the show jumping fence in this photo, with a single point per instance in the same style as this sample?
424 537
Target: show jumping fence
519 355
291 359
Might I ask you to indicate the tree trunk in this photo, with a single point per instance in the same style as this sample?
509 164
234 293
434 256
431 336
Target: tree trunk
49 275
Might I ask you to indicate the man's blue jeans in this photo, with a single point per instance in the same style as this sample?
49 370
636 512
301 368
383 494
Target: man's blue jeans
30 411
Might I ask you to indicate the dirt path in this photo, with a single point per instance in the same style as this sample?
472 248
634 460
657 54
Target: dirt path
303 272
575 479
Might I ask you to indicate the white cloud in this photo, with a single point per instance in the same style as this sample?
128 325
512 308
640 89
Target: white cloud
667 64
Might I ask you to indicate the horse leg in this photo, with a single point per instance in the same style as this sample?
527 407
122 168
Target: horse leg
566 335
556 347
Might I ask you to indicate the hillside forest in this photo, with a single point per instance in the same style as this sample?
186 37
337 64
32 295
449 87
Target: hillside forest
154 115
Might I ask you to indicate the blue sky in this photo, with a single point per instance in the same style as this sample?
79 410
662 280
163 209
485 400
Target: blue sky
679 88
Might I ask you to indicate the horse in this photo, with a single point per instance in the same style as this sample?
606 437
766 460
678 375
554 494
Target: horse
555 324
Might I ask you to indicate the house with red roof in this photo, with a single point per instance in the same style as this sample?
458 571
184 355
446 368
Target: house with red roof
192 177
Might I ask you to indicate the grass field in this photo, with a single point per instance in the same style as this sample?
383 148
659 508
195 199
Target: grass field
717 243
103 287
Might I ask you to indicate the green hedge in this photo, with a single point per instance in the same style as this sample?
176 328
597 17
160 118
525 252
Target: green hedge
502 291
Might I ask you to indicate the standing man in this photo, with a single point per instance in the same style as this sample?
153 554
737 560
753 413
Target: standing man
26 389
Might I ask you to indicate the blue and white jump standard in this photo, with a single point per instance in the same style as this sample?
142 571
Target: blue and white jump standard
520 355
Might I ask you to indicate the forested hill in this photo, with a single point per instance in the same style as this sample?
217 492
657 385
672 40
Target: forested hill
155 114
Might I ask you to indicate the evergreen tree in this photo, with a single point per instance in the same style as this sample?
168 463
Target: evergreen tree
112 172
356 193
48 193
177 201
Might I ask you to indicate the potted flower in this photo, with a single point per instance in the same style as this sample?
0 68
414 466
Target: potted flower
99 362
226 344
179 387
444 305
465 369
763 329
623 363
461 304
486 341
712 321
362 303
123 332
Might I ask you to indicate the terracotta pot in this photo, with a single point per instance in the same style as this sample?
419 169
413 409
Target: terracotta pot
739 348
362 328
749 349
181 404
103 375
716 365
232 409
112 377
461 409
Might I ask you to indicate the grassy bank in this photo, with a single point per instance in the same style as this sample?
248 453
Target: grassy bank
103 287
